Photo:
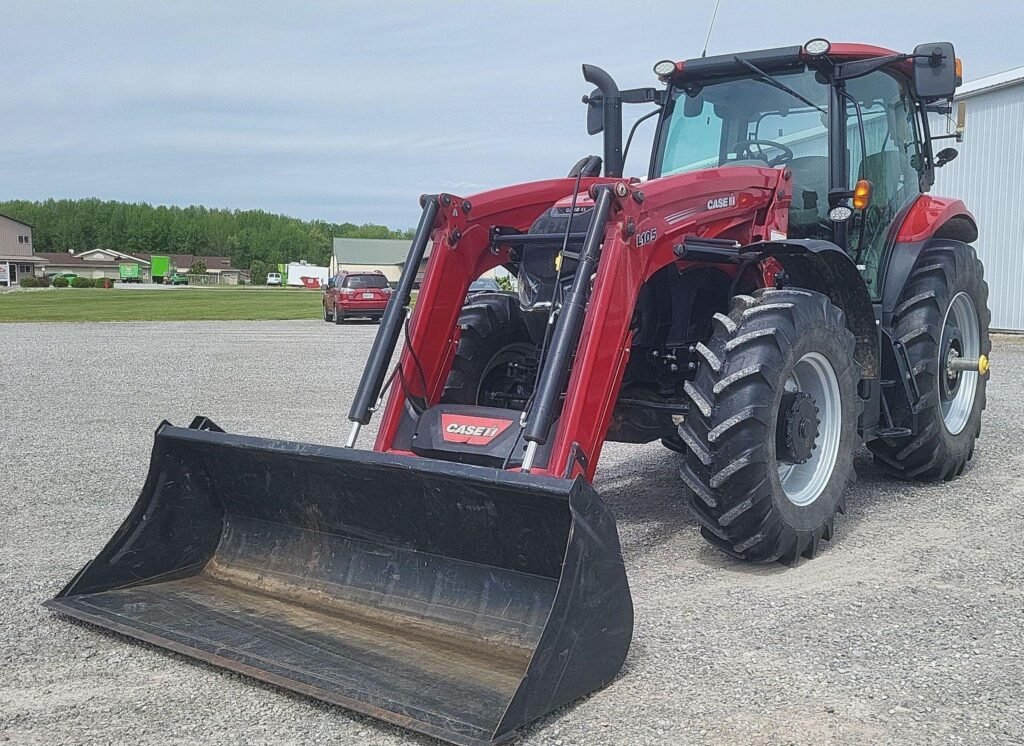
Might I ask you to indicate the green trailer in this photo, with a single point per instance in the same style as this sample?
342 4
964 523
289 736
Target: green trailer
160 268
129 272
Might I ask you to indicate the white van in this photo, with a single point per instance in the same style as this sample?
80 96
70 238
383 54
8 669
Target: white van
273 278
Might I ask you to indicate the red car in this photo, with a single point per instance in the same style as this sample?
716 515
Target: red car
356 294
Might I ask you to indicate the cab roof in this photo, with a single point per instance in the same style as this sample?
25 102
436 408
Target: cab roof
779 58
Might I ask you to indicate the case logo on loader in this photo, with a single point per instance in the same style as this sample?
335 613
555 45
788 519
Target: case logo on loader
719 203
474 431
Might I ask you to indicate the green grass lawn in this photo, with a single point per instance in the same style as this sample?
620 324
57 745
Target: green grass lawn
184 304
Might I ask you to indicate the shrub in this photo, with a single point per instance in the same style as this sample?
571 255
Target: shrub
258 272
29 282
504 282
60 282
82 282
103 282
44 281
197 268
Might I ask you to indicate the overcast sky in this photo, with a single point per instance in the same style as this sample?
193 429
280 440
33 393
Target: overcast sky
349 110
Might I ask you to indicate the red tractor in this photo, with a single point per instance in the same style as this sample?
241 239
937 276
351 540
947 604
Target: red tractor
779 290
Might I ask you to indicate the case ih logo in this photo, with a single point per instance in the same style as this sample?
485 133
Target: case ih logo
720 202
474 431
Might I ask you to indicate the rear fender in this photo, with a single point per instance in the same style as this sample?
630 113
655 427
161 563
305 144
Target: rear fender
927 218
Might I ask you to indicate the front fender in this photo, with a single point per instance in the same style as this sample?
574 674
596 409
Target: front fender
824 267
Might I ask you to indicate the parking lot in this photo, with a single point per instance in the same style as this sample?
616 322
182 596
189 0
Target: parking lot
906 629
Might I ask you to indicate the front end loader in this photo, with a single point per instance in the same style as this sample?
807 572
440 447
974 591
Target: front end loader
780 289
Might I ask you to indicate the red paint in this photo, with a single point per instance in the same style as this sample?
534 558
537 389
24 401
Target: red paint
474 431
927 214
859 51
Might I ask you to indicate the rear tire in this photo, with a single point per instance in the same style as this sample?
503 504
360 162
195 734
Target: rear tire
339 316
328 317
947 282
494 333
762 491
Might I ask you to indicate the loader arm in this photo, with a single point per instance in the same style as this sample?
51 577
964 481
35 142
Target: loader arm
646 224
461 253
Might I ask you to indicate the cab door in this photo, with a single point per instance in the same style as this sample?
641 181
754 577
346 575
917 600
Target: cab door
891 160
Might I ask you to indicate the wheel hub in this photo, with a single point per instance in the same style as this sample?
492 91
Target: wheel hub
951 381
797 429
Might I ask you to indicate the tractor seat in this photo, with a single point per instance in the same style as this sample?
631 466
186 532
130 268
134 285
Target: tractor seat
809 208
886 173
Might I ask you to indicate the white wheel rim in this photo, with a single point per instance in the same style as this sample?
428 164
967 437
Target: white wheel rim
814 375
961 316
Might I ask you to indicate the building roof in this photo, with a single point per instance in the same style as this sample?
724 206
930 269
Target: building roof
991 82
371 251
34 259
20 222
213 263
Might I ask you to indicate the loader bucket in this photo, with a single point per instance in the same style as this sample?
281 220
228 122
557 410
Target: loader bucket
458 601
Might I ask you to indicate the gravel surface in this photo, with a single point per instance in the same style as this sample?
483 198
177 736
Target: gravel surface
908 628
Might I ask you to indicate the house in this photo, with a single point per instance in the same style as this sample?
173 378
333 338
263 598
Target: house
373 254
17 259
97 263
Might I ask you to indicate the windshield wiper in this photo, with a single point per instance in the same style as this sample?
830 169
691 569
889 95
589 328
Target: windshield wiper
773 81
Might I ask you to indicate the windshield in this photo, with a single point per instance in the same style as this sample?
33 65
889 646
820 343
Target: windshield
483 284
714 125
358 282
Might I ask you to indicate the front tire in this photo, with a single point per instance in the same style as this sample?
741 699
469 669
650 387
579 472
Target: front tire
339 316
772 426
494 335
942 311
328 317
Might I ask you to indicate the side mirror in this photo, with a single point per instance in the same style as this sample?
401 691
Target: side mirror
935 70
693 106
944 156
595 112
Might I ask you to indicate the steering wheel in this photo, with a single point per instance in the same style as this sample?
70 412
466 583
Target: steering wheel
744 150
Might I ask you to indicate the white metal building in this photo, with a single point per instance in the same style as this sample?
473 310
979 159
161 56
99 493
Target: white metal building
989 177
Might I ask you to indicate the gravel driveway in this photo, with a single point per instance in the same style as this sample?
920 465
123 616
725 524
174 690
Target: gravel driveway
908 628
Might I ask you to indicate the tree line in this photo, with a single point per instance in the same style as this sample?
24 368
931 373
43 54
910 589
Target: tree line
243 235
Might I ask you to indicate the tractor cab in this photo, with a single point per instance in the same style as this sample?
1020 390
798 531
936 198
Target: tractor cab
837 118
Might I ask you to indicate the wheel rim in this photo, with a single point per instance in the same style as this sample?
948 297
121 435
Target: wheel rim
961 337
814 375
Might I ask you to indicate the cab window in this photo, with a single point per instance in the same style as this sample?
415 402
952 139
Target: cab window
751 122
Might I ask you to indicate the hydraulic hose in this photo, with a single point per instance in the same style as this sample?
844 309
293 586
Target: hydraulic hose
391 324
567 331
